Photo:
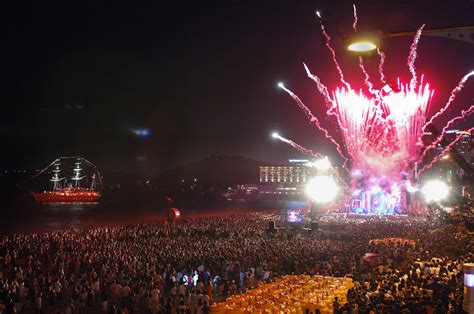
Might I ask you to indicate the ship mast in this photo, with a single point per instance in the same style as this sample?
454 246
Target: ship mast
77 175
55 178
93 182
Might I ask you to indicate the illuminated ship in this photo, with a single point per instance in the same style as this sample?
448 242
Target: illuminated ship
82 186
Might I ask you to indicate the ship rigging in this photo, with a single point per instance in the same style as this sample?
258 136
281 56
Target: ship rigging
72 180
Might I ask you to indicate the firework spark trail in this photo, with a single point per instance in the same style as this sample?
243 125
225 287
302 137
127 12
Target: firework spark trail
321 87
306 151
454 92
315 120
333 52
428 166
412 57
382 61
354 26
303 107
367 81
464 114
324 91
298 147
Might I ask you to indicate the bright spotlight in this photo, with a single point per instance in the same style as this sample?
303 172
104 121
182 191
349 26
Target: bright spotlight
322 164
141 133
280 84
322 189
275 135
318 14
435 190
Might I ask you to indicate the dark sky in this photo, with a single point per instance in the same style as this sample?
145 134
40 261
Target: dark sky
77 76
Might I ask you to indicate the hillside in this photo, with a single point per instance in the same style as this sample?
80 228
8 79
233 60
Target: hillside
217 171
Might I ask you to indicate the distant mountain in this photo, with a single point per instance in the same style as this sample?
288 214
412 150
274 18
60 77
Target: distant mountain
217 171
114 178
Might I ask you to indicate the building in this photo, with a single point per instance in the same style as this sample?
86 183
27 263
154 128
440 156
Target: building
287 178
454 165
296 172
464 145
463 149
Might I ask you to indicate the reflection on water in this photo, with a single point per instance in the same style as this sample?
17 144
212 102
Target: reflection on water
24 215
69 206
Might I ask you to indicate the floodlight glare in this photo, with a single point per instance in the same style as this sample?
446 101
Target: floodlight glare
322 164
275 135
435 190
280 84
322 189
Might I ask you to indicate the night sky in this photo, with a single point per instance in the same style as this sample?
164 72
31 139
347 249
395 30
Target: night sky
78 76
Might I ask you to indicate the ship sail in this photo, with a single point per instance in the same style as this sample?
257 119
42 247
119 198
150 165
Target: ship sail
77 175
55 179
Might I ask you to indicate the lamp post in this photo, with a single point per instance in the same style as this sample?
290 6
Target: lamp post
365 41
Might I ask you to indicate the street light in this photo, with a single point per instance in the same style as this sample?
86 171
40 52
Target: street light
364 41
367 41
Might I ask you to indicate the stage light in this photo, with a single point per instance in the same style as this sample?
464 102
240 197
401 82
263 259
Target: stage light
435 190
410 188
275 135
322 164
375 189
322 189
281 85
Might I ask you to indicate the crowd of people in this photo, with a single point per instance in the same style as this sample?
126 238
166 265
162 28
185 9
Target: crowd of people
185 266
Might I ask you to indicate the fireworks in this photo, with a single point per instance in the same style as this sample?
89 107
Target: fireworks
296 146
354 26
454 92
381 128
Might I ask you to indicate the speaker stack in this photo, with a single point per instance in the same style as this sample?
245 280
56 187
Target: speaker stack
271 227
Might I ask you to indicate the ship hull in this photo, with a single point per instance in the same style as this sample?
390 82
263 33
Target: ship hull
67 197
